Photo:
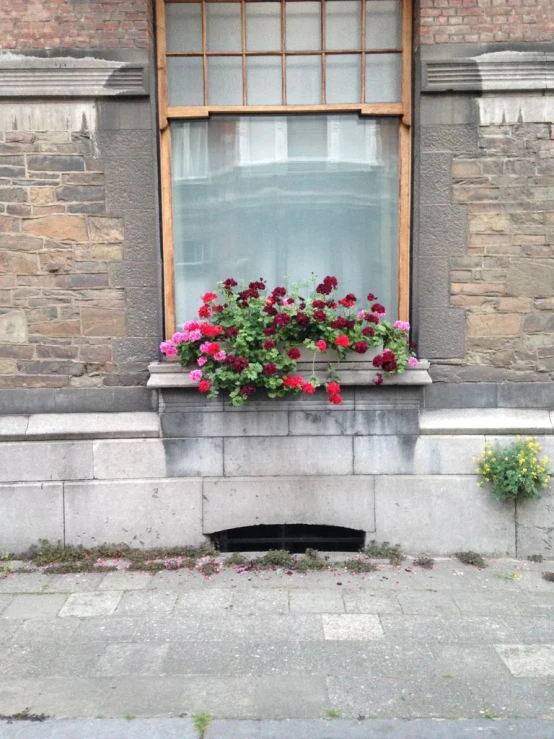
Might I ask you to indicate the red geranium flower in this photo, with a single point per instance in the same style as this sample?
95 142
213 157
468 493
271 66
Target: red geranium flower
319 316
321 345
368 331
293 381
307 387
204 386
342 340
371 297
268 344
208 297
302 319
205 311
279 292
269 332
247 390
294 353
214 348
231 332
318 304
360 347
379 379
281 320
333 388
269 369
209 331
335 399
378 308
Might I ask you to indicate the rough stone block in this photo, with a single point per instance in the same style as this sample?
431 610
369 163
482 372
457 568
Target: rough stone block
493 324
329 500
141 513
29 513
105 229
442 515
433 282
195 424
442 333
193 457
535 527
530 278
412 455
330 455
13 327
131 458
100 322
58 227
442 230
354 423
42 461
93 426
435 183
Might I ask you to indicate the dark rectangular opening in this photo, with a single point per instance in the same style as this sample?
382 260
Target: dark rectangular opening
294 538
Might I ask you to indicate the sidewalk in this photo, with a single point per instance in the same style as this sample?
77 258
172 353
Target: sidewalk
403 643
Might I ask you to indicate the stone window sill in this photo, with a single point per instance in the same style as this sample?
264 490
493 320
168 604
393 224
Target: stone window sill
168 374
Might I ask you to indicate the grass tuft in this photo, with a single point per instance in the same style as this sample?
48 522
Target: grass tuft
471 558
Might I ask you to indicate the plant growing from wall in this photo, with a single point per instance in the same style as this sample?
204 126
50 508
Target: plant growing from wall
515 471
249 339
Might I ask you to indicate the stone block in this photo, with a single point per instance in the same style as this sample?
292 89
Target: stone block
93 426
29 513
325 501
485 421
103 229
13 327
433 282
87 605
55 163
535 527
143 307
493 324
329 455
448 137
141 236
15 263
117 459
412 455
43 605
193 457
442 230
131 182
58 227
531 395
13 427
442 515
73 193
442 333
43 461
134 274
435 183
197 424
354 423
141 513
100 322
531 278
448 395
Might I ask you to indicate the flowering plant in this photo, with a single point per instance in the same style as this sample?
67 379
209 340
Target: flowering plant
249 338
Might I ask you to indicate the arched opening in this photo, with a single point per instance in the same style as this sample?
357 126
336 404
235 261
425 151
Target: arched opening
294 538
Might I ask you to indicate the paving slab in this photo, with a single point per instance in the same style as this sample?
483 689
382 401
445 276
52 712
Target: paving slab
84 605
45 605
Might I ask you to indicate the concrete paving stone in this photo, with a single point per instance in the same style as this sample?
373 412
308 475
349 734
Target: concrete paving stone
42 631
45 605
26 582
530 629
160 728
7 629
152 603
317 600
536 604
528 660
466 661
418 603
5 601
109 628
370 601
85 605
55 658
217 600
440 630
126 581
260 602
525 697
280 627
131 659
485 603
62 697
534 582
72 583
352 626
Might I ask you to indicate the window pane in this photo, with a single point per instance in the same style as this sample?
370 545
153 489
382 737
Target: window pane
263 26
244 208
185 81
343 20
184 26
344 78
383 27
303 25
303 80
383 78
225 80
223 26
264 80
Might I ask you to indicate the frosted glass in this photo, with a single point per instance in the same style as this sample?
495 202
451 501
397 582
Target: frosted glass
383 78
303 25
224 31
254 214
185 81
383 26
263 26
344 78
184 26
343 20
303 80
225 80
264 80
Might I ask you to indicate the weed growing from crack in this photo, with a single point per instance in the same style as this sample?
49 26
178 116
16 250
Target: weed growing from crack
24 715
384 550
332 713
201 723
275 558
549 576
425 562
359 565
471 558
310 561
535 558
236 559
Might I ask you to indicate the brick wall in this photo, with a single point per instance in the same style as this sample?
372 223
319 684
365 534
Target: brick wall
484 21
77 24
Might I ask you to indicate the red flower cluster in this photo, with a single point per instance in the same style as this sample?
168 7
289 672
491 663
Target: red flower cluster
236 363
360 347
386 360
270 369
204 386
333 388
204 311
209 330
294 353
327 286
293 381
209 297
342 340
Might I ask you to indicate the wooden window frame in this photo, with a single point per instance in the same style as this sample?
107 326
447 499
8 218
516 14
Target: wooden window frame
401 110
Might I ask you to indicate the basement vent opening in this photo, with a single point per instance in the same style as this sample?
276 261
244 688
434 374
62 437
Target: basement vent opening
293 538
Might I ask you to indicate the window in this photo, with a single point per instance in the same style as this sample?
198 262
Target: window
285 144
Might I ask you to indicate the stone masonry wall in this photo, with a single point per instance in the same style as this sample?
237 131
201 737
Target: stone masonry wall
504 282
80 290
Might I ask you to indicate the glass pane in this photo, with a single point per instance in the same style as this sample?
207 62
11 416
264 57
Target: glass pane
223 26
383 25
243 208
184 26
303 80
185 81
383 74
303 25
263 26
343 21
344 78
264 80
225 80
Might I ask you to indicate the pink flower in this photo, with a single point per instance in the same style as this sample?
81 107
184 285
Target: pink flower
205 346
402 325
321 345
191 326
195 335
412 361
179 338
168 348
220 356
361 313
201 361
195 375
